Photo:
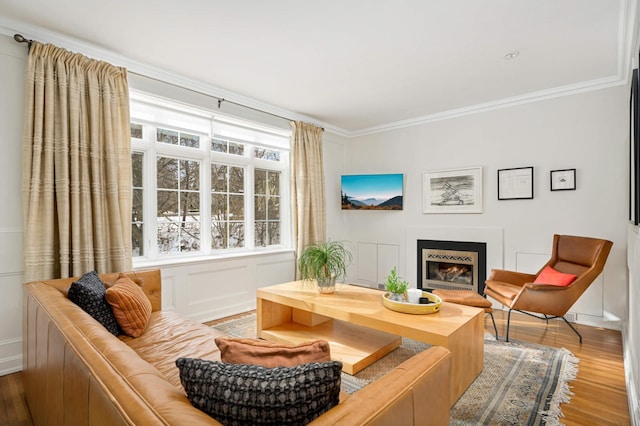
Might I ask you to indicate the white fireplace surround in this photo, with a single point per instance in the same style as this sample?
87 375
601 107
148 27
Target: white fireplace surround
494 237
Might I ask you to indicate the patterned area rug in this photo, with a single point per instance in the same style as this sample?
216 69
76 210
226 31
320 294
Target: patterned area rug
521 383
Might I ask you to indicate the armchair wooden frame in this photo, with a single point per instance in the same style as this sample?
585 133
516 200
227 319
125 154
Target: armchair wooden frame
581 256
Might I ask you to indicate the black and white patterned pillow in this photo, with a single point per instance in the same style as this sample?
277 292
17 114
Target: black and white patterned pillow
241 394
89 294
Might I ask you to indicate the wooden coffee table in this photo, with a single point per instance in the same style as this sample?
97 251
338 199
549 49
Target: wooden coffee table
361 330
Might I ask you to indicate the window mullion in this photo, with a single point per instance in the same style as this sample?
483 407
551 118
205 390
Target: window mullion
205 200
286 224
152 201
249 203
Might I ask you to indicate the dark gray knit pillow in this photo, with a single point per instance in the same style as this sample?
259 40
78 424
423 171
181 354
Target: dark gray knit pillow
89 294
240 394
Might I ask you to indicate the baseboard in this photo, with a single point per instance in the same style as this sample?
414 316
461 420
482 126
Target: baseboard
10 356
577 318
634 404
227 311
10 365
633 399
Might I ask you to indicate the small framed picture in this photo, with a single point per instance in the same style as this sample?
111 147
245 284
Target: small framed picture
563 180
515 184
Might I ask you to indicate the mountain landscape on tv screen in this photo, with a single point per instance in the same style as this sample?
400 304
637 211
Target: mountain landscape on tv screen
372 192
394 203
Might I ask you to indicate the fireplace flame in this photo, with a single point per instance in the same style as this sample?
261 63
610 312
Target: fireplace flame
452 272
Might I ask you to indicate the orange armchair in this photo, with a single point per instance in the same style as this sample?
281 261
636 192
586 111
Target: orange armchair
580 256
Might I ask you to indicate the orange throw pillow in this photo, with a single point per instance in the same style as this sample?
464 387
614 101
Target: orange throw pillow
270 354
553 277
130 306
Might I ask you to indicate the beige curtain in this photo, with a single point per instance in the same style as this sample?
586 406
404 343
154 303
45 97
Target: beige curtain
309 221
76 166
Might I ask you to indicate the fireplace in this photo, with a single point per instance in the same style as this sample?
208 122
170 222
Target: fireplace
452 265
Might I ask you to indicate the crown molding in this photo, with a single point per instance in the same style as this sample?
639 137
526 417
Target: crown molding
541 95
11 27
627 44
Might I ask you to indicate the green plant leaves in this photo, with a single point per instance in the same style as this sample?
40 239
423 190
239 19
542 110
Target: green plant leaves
394 284
324 259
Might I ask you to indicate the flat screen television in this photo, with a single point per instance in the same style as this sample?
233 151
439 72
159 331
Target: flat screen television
372 192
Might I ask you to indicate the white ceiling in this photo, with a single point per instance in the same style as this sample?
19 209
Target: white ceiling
355 66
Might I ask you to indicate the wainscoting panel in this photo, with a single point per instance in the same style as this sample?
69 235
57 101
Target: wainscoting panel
205 290
367 263
271 273
591 301
168 292
375 261
218 290
388 258
631 330
11 251
217 285
530 263
11 316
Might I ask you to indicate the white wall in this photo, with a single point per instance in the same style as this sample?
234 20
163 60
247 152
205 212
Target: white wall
202 290
587 132
632 328
13 63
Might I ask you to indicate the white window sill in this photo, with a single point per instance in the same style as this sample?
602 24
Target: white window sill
142 263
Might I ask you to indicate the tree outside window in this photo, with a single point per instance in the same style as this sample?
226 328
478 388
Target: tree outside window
178 205
184 160
137 206
227 206
267 207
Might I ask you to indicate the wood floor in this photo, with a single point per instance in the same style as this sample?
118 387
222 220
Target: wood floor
600 393
600 396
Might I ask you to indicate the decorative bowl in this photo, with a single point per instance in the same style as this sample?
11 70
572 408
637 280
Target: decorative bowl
413 308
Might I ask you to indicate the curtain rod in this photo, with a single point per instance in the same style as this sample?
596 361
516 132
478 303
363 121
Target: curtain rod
21 39
220 100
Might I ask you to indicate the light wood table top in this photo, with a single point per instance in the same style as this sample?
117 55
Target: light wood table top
295 311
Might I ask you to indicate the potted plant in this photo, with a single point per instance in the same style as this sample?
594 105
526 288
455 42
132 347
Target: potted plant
324 262
396 286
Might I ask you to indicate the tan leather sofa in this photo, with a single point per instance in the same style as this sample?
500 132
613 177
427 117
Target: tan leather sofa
77 373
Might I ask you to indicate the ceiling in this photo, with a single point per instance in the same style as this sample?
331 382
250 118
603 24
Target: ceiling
356 66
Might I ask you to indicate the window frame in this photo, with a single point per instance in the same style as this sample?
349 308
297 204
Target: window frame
149 112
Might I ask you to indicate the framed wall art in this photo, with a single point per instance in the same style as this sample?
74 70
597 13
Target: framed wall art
452 191
515 184
563 180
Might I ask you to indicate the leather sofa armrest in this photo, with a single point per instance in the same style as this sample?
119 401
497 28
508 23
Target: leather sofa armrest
415 392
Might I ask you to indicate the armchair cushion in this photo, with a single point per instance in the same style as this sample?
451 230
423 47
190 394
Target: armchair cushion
553 277
501 291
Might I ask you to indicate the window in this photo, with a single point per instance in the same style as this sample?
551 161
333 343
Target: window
267 207
227 206
205 185
178 205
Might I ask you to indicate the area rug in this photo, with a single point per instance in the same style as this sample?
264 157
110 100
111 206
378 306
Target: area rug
521 383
